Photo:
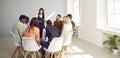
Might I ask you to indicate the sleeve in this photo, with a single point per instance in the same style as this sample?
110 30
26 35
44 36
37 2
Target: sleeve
63 31
37 36
20 28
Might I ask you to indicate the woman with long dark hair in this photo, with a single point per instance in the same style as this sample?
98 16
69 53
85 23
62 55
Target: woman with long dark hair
33 30
41 18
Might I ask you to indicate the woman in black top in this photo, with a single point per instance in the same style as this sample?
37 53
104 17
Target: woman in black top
41 18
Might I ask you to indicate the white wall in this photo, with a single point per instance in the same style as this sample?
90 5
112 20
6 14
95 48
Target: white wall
10 10
70 6
88 30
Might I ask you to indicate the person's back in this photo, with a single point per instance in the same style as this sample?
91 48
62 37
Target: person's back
67 28
51 32
32 30
59 25
32 33
18 28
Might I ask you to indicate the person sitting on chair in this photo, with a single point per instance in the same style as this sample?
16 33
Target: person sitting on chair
51 32
58 23
18 28
67 28
33 30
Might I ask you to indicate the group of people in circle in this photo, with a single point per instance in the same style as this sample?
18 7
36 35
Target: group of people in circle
36 28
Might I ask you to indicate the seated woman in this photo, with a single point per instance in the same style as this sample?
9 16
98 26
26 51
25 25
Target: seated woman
33 30
67 28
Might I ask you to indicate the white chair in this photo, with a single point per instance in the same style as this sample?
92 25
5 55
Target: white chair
30 46
17 44
67 44
54 47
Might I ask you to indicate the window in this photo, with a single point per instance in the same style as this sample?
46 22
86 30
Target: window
76 15
108 16
113 14
73 7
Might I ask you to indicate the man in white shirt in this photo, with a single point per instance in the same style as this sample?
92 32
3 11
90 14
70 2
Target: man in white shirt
18 28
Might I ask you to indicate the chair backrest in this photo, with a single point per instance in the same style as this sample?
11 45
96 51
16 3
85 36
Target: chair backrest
30 44
55 44
14 39
69 39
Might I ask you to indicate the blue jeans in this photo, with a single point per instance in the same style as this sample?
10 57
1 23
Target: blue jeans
45 45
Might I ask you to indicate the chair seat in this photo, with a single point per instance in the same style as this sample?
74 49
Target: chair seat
33 49
30 44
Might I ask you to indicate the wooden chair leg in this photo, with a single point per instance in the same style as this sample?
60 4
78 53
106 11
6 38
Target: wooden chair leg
46 56
39 54
60 54
22 51
71 50
25 54
29 55
56 55
14 53
51 55
34 54
66 52
17 52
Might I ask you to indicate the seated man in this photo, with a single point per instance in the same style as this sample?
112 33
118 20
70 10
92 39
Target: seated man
50 32
18 28
58 23
72 22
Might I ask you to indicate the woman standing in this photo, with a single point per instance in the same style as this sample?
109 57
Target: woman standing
41 18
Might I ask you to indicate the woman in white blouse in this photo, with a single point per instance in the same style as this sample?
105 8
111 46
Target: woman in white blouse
67 28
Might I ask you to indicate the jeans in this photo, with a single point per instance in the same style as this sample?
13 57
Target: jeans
45 45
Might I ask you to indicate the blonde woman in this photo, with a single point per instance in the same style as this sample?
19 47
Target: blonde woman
67 28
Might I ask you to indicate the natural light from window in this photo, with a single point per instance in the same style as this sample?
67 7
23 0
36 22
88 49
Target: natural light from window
76 16
113 14
78 53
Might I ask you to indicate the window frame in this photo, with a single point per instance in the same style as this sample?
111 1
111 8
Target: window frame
102 19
